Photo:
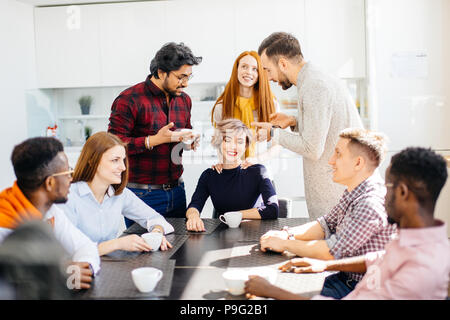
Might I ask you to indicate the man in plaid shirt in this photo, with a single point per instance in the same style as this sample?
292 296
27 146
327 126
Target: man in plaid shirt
146 116
357 224
415 265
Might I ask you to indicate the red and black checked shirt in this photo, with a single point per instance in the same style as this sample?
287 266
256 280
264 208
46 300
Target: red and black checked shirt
142 110
358 223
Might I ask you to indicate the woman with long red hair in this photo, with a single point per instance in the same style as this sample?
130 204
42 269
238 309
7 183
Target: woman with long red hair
247 95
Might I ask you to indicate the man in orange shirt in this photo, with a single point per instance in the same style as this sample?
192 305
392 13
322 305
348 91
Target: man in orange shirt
43 178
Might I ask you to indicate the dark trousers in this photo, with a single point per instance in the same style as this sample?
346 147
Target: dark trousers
338 285
169 204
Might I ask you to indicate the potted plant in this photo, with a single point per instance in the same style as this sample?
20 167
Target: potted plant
87 132
85 104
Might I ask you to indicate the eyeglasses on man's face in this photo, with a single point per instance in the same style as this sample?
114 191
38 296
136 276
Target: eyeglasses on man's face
183 78
389 185
68 172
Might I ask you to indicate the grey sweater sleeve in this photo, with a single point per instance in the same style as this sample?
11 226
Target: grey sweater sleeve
310 142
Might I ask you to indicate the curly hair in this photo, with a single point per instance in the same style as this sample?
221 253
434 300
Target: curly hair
422 170
171 57
32 161
370 143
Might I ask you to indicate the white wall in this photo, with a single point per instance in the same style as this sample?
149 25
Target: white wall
17 73
411 108
446 45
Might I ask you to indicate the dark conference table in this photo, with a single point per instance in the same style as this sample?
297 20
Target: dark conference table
193 268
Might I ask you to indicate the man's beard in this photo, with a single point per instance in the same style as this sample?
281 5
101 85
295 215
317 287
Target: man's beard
391 221
60 200
390 210
284 82
171 92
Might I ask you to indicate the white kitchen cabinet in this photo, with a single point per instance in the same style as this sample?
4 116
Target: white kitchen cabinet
257 19
206 27
113 44
335 36
130 36
129 41
67 46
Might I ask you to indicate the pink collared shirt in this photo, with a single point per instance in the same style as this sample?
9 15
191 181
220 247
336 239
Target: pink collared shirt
415 265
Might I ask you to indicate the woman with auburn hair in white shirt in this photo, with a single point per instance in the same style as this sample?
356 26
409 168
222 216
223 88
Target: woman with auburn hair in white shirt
99 199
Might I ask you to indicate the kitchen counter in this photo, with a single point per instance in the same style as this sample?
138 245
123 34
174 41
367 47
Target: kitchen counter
287 170
206 154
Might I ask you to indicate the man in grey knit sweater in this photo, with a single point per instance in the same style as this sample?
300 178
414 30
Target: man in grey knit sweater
325 108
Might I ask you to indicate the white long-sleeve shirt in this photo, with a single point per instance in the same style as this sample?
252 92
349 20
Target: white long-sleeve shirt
102 221
77 244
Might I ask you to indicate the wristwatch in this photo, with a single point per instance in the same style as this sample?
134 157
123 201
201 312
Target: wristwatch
290 234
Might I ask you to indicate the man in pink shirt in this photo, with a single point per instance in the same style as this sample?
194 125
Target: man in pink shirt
416 264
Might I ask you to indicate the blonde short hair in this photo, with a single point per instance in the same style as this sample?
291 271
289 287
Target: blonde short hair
230 125
371 144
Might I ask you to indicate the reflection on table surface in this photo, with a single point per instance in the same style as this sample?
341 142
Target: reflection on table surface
193 267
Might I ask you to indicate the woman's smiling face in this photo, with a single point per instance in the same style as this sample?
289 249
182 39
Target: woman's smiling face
111 165
233 147
248 71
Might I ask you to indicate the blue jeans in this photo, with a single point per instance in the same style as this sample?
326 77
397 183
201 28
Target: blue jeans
170 204
338 285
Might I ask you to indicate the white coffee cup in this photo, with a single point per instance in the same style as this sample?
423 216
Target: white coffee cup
270 274
186 140
235 281
145 279
153 239
232 219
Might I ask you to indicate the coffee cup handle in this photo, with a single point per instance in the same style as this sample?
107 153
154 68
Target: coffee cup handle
220 218
160 274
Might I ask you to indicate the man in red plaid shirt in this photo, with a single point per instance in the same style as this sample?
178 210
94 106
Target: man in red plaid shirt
357 224
147 117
